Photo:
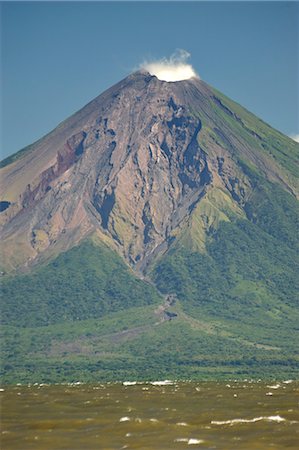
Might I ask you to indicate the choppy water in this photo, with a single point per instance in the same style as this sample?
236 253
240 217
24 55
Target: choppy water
205 415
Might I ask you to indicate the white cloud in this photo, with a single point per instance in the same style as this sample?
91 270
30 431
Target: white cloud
295 137
172 69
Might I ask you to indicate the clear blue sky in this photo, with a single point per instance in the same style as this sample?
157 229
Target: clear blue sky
58 56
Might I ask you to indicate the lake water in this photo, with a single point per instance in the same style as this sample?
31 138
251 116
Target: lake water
185 415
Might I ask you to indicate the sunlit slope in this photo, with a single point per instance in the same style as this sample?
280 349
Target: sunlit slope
88 281
247 271
281 148
141 344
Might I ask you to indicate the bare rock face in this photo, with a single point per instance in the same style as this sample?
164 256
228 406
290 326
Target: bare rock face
132 166
155 170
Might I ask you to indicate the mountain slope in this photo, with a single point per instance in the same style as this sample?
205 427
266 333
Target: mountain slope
141 144
88 281
166 195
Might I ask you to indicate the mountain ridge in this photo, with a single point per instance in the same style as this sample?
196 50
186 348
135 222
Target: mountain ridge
156 196
169 147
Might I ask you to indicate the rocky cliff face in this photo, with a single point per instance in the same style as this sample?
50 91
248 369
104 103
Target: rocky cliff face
134 166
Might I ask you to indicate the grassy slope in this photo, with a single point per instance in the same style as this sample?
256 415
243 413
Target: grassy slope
247 279
88 281
281 148
135 345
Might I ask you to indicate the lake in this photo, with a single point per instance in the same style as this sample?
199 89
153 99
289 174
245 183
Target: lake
163 415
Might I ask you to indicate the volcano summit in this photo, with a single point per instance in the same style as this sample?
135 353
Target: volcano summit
154 193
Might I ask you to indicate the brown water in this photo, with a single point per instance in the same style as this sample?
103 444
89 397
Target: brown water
205 415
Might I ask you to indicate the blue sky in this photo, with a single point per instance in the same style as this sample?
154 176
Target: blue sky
57 56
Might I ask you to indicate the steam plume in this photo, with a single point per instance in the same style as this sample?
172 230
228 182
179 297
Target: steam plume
295 137
174 68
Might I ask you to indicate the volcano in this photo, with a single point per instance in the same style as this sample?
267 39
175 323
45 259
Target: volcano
156 196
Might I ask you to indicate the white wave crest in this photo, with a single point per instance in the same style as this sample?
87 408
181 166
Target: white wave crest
129 383
162 383
124 419
255 419
193 441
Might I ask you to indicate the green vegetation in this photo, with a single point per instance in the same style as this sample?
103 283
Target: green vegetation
248 278
88 281
259 134
85 316
135 344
